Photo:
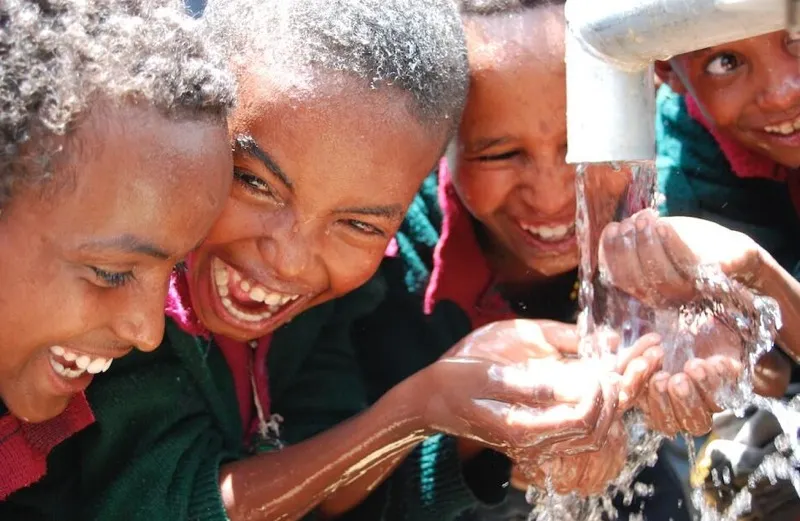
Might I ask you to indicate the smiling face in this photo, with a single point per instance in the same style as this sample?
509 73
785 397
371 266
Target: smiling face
88 255
750 89
511 171
322 182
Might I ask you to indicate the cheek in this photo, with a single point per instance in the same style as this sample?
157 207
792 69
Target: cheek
240 220
351 267
482 193
723 104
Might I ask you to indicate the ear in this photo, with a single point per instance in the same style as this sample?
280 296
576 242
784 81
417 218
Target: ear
668 75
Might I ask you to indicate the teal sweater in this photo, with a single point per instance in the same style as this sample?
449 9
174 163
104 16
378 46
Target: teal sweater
167 420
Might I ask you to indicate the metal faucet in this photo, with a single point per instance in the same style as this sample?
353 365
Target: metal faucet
611 47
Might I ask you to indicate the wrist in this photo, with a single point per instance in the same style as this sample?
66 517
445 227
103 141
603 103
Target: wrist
405 404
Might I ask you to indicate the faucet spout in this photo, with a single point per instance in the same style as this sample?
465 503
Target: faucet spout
611 46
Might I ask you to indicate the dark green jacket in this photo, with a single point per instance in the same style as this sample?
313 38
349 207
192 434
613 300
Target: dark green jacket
167 420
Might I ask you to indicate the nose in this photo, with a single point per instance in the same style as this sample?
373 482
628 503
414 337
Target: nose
286 250
781 92
549 188
140 320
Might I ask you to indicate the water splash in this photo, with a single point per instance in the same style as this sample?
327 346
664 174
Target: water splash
756 318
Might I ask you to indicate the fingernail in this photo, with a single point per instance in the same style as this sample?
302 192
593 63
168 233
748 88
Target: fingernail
661 230
682 388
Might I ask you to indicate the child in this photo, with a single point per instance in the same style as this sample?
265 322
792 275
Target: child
728 152
111 170
344 108
507 243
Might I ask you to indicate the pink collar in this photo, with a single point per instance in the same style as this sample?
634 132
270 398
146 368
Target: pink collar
461 273
24 447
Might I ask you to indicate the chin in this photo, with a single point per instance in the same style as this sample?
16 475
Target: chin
41 411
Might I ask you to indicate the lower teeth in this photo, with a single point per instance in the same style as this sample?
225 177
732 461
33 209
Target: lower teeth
63 371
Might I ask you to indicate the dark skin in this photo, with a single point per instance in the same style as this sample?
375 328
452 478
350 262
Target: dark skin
511 174
318 194
132 194
745 87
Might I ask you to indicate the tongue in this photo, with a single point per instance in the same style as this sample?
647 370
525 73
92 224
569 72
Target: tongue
242 297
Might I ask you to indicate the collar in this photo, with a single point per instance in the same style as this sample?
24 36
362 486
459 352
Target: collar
24 446
744 162
247 361
461 273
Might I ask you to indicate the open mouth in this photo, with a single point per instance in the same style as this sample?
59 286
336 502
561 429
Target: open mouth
247 301
787 128
73 365
550 234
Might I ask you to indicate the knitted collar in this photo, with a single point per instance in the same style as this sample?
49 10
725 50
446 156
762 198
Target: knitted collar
24 447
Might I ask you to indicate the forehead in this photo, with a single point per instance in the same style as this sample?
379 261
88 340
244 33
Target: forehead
131 171
337 130
503 41
517 84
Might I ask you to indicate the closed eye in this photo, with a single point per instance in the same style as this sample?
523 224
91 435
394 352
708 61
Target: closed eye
364 228
112 279
499 157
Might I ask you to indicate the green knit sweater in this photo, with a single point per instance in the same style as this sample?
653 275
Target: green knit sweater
167 420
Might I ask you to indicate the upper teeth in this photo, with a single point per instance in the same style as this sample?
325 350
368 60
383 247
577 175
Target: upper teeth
785 128
255 291
84 363
551 233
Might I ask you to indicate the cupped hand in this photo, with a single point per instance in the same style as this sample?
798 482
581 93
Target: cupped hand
518 387
656 259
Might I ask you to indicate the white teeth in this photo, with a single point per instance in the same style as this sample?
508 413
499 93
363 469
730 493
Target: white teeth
550 233
258 294
63 371
245 285
83 361
786 128
108 365
241 315
97 365
272 299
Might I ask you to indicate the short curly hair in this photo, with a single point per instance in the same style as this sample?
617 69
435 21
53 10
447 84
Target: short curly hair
59 57
415 46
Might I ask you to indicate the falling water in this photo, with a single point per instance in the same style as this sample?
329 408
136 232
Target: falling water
755 317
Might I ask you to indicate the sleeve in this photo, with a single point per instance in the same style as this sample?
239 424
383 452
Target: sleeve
160 439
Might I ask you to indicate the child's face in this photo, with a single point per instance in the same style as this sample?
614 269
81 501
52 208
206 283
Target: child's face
750 89
322 182
86 263
511 171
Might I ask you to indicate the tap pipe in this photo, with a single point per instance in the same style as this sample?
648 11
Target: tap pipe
611 46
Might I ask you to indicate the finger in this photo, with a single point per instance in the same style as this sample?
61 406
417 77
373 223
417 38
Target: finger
606 405
663 281
563 337
730 370
593 480
690 410
682 257
636 377
622 262
661 414
638 349
707 380
541 383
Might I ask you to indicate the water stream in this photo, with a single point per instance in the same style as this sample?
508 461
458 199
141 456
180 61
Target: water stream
755 317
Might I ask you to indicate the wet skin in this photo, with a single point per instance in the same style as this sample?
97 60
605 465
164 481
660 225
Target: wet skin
93 248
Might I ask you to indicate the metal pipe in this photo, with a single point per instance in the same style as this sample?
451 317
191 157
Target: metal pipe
611 45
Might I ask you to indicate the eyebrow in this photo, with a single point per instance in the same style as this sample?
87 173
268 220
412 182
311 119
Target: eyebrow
482 144
247 144
394 211
127 244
